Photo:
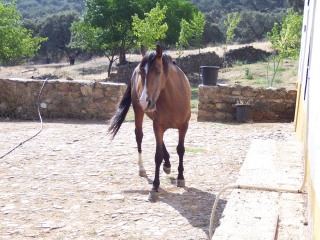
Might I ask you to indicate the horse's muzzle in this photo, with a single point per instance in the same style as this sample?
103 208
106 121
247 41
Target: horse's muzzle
151 105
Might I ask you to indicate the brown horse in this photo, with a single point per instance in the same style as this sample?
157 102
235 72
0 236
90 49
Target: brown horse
160 89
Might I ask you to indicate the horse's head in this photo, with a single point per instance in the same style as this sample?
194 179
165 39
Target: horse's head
152 72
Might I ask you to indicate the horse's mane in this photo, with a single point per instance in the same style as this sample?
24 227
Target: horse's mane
148 60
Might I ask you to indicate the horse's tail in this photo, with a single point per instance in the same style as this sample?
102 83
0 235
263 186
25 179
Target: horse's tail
121 113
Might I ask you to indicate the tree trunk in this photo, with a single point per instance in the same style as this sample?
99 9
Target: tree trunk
111 61
72 60
122 56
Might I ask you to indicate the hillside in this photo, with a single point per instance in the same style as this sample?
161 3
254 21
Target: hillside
33 9
214 9
258 16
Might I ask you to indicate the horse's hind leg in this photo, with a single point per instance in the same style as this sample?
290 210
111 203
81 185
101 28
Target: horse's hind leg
166 157
180 151
139 135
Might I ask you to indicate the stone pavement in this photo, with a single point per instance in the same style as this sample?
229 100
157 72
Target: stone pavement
71 182
260 214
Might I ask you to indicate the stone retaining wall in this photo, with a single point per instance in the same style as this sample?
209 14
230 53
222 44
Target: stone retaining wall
124 73
60 99
218 103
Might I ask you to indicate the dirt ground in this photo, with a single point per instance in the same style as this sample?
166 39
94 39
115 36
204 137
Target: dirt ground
71 182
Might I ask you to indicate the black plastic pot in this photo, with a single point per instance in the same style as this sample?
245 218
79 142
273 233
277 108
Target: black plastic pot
209 75
243 113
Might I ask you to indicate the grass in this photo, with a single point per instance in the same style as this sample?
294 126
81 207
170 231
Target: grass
194 150
256 74
130 115
194 98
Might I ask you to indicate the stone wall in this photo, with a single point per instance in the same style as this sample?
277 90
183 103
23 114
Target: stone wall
59 99
218 103
124 73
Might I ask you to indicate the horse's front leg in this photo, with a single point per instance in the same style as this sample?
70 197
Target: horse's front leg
158 160
139 135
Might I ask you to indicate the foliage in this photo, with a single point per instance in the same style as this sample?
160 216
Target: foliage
56 28
258 16
285 39
248 74
151 29
38 9
177 10
296 5
185 34
212 34
16 42
191 32
254 25
86 37
198 22
231 22
92 39
109 25
222 7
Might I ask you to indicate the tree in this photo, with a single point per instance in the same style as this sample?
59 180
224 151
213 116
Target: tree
107 26
191 32
254 25
151 29
56 28
285 38
297 5
93 39
185 34
212 34
231 22
112 19
177 10
16 42
197 25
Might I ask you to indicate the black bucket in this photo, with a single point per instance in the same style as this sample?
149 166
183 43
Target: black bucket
209 75
243 113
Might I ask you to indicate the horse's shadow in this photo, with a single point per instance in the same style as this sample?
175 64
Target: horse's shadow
193 204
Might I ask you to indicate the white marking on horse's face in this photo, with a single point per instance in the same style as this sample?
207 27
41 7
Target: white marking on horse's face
143 99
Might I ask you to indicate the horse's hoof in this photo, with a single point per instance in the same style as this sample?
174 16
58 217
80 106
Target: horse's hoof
153 196
167 170
181 183
142 173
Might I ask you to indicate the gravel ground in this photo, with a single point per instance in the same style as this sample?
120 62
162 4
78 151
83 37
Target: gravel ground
71 182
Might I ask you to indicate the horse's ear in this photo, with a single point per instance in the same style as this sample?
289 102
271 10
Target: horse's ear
159 51
143 50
